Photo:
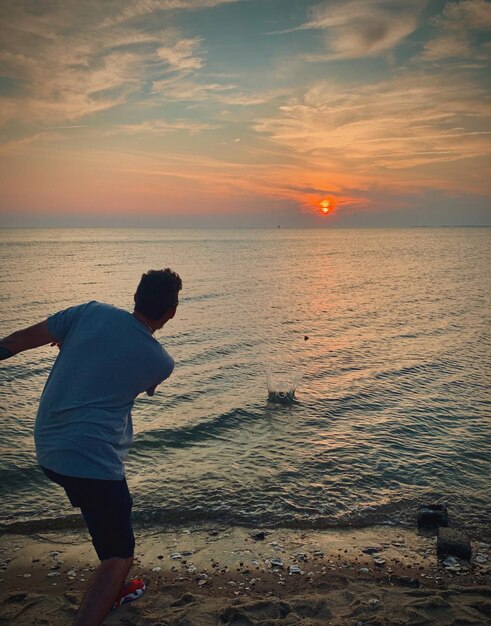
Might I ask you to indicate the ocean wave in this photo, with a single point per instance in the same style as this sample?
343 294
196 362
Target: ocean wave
188 435
401 512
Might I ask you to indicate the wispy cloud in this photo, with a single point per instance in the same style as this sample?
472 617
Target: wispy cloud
465 14
181 56
65 127
359 28
456 26
70 60
384 129
184 89
160 127
126 10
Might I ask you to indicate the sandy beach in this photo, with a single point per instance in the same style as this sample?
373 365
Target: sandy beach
209 575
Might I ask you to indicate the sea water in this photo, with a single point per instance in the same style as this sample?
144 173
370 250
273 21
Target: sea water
392 412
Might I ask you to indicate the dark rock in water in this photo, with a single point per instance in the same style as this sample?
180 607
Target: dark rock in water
432 516
453 542
259 536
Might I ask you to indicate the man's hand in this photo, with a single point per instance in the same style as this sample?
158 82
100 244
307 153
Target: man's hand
5 353
26 339
151 390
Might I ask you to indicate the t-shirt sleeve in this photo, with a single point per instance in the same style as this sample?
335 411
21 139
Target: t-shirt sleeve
166 369
167 366
60 323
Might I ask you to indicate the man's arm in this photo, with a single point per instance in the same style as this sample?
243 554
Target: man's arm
26 339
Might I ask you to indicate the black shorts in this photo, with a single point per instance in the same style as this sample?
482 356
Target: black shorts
106 507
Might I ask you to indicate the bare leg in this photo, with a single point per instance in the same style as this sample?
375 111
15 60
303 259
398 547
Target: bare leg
103 590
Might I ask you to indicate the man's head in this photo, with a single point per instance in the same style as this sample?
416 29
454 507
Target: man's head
157 295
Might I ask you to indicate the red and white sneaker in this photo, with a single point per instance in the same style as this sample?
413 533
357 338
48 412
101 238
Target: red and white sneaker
130 591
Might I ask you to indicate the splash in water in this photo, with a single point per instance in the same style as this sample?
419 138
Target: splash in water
281 387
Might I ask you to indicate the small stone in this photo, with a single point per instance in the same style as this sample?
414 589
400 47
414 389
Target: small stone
176 557
259 536
374 603
294 569
481 558
277 563
202 582
363 570
27 575
72 573
156 569
370 550
51 574
379 562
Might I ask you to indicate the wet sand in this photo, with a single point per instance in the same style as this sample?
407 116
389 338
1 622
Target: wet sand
210 575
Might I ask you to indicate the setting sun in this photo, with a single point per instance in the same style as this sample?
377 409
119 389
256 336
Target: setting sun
325 206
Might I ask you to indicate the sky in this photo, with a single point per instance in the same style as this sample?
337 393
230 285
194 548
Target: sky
245 113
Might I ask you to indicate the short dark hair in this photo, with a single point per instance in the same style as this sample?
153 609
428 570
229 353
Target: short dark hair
158 291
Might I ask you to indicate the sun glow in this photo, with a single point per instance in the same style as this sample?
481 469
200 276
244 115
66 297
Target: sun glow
325 206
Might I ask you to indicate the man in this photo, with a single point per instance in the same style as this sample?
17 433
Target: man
83 426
